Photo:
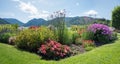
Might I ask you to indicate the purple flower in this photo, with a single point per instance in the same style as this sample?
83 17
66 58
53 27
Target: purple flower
105 30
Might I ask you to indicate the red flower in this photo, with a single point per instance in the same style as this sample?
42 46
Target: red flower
56 48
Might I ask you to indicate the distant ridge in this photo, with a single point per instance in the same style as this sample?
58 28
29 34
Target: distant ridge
35 22
13 21
2 21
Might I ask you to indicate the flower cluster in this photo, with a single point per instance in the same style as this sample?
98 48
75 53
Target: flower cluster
102 33
54 50
33 27
105 30
81 31
87 43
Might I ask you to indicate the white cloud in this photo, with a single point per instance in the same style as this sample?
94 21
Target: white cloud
46 12
28 7
32 10
91 12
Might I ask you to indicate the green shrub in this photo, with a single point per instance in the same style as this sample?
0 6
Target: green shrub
4 38
78 41
116 17
7 31
67 37
89 48
87 35
7 28
75 36
114 36
74 27
30 39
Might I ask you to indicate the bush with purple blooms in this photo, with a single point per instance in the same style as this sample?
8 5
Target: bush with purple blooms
102 33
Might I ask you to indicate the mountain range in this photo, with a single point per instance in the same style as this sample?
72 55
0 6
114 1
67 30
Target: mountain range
38 22
13 21
35 22
2 21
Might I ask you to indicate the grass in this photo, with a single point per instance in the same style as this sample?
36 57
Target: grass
106 54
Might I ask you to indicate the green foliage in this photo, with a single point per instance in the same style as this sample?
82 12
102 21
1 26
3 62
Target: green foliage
78 41
76 38
5 37
7 28
31 39
101 38
116 17
74 27
89 48
67 37
62 31
114 36
87 35
7 31
107 54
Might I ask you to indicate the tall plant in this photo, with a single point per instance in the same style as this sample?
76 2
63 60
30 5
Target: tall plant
59 23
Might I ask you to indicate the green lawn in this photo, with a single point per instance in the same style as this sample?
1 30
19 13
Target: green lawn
106 54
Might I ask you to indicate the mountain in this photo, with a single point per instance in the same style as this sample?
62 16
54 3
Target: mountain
13 21
83 20
35 22
79 20
75 20
2 21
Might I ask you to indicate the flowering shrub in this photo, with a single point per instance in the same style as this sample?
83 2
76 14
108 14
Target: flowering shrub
54 50
81 31
102 33
102 29
32 39
88 44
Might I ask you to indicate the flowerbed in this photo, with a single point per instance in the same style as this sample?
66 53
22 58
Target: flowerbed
54 50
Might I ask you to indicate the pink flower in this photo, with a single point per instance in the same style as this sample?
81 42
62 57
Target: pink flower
57 53
44 52
52 49
54 46
65 50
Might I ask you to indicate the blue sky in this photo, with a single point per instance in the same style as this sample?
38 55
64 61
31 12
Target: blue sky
25 10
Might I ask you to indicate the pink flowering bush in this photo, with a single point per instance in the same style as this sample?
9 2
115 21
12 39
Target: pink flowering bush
54 50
